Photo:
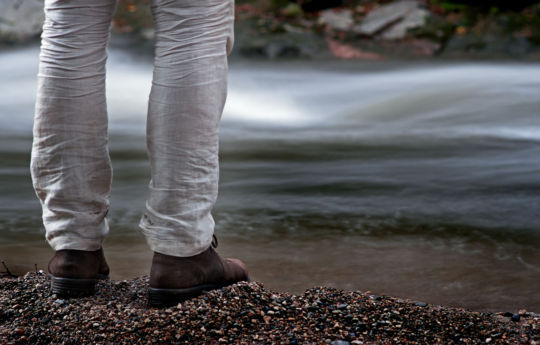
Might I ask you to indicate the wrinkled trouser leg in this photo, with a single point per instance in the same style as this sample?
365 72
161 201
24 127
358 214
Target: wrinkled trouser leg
70 164
193 38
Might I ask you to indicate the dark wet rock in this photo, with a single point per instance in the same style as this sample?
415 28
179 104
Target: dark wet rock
488 46
515 318
285 44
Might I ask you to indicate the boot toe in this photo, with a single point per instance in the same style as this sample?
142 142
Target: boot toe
236 270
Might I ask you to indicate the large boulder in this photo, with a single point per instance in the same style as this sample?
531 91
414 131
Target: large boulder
414 19
341 20
392 21
20 20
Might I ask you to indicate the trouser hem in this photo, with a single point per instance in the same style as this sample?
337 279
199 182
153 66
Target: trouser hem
62 243
176 247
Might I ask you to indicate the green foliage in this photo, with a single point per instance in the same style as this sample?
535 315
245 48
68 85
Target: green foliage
277 4
449 6
437 29
484 6
132 16
292 10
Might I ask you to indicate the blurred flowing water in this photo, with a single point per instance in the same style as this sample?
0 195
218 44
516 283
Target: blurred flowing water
417 180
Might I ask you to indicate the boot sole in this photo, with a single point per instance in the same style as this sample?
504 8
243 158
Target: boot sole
74 287
161 298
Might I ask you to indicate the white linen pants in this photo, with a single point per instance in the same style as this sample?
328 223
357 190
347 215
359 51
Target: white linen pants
70 164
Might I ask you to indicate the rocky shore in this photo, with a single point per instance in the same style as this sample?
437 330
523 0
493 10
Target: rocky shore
245 313
342 29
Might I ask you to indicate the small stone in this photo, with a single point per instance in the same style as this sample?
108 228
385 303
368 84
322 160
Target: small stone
420 304
340 342
515 318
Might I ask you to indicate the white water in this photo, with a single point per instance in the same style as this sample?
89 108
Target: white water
417 180
461 100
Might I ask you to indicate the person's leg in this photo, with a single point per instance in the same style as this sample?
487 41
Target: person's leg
70 164
193 38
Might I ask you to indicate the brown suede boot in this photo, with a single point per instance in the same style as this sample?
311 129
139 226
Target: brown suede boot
176 279
74 273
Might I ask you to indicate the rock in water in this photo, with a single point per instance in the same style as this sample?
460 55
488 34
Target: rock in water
406 13
20 20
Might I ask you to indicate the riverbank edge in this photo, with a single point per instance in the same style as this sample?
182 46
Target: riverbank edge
245 313
367 31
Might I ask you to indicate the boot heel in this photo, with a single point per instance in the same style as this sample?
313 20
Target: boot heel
70 287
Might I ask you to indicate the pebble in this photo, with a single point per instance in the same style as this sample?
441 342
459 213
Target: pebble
244 313
340 342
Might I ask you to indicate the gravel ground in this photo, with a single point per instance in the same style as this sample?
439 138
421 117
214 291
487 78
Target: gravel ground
245 313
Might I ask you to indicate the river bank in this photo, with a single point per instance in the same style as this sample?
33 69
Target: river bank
245 313
339 29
